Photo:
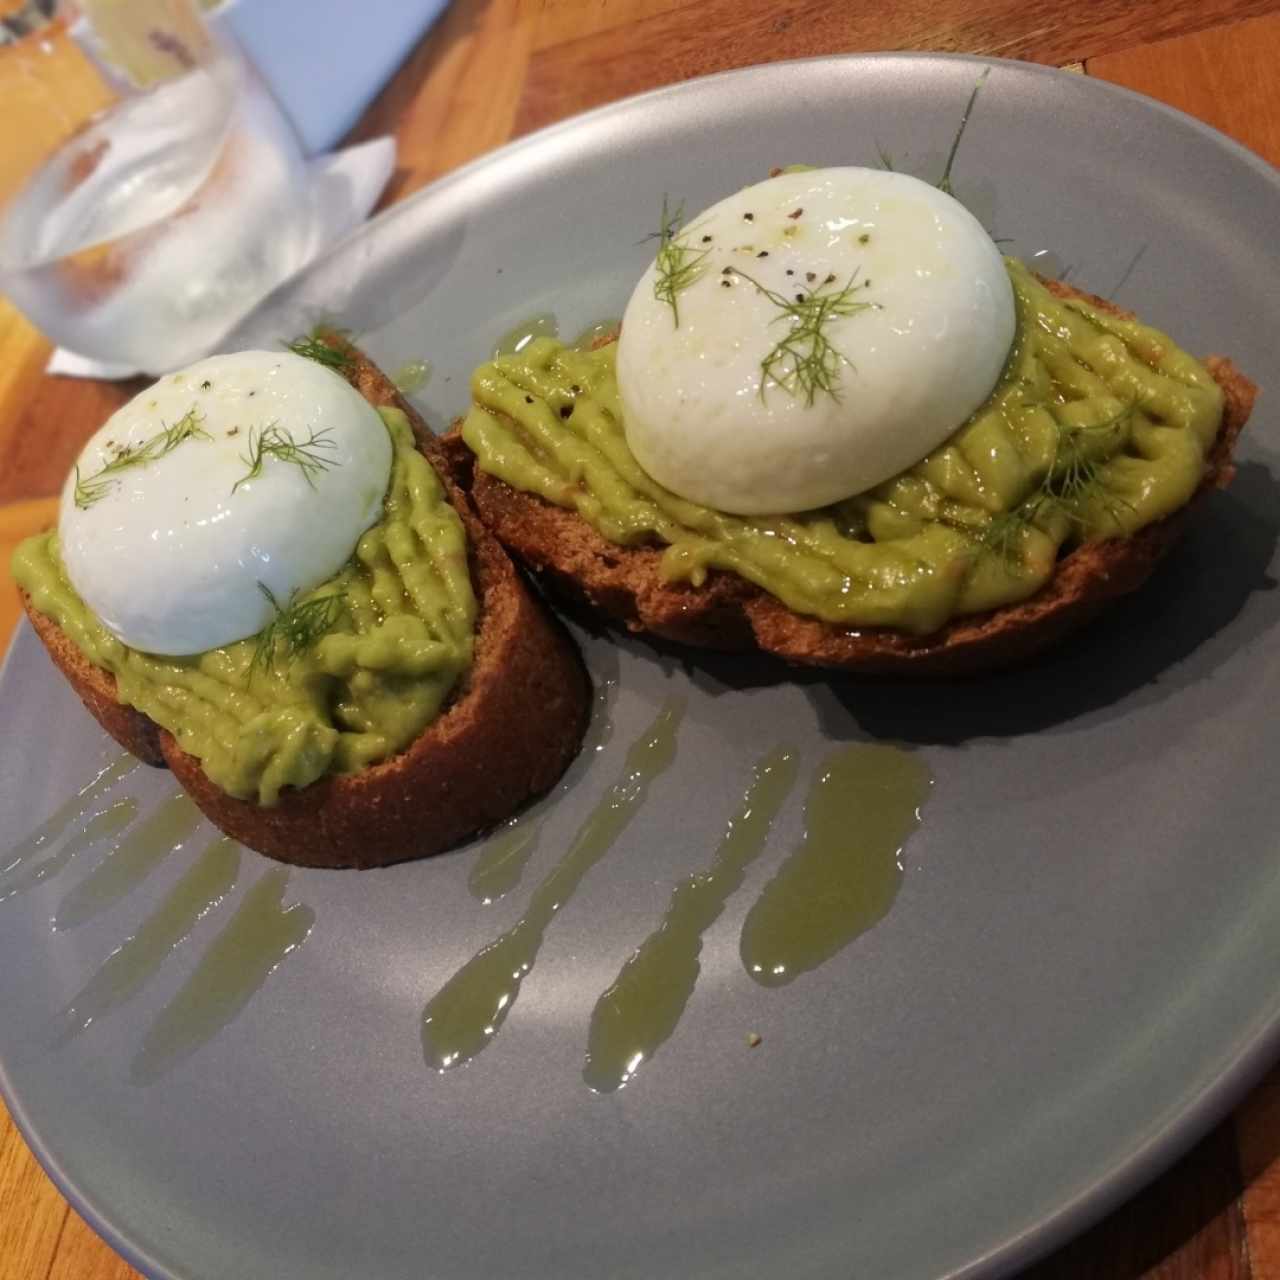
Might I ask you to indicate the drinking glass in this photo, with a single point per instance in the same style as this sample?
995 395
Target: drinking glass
149 198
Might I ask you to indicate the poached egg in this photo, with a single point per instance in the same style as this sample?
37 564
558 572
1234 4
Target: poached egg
172 549
715 403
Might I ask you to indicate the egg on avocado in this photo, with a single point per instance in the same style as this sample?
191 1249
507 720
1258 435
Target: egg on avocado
838 325
242 478
268 567
266 578
839 427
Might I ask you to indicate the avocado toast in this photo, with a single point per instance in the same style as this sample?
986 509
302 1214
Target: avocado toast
498 718
1035 565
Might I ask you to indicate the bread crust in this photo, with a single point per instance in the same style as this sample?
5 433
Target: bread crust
729 613
508 733
136 733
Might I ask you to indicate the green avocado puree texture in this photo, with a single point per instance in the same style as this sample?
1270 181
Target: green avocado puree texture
1097 426
360 693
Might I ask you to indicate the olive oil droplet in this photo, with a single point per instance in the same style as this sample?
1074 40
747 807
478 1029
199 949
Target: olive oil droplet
412 376
514 341
639 1012
466 1013
239 960
1047 264
594 332
845 873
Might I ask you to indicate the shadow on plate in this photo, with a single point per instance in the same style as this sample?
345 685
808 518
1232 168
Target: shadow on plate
1217 579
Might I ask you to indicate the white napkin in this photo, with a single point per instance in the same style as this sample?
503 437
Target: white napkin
348 184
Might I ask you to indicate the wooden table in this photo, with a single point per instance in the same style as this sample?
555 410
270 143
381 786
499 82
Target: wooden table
493 69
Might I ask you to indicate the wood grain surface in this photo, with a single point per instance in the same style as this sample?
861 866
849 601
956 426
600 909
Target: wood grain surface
493 69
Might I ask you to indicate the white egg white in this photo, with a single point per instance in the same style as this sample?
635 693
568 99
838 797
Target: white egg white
172 554
700 415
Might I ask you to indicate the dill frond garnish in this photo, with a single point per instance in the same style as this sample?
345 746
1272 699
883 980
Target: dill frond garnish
679 263
91 489
296 627
313 348
1073 479
274 441
1003 534
1074 472
1072 482
886 160
944 183
804 362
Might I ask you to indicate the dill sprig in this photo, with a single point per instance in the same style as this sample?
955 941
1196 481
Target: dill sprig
296 627
944 183
679 263
91 489
1003 533
1072 481
275 441
312 347
94 488
1073 478
1074 471
805 362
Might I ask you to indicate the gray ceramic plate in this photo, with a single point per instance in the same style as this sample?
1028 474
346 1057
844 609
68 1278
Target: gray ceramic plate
1078 974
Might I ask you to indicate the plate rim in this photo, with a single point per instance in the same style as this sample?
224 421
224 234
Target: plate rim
1110 1187
22 642
601 113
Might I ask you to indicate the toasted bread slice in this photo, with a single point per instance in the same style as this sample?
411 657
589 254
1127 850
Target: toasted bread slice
513 724
727 612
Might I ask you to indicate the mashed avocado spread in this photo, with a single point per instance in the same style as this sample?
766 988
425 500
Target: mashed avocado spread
1097 427
262 720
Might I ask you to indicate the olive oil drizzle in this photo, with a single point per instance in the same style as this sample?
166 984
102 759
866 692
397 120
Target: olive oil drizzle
862 806
596 332
640 1010
232 970
844 875
412 376
502 860
138 959
463 1017
128 863
71 813
108 821
514 341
